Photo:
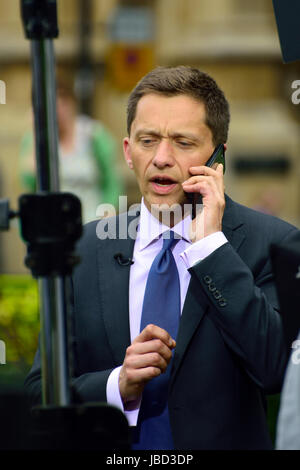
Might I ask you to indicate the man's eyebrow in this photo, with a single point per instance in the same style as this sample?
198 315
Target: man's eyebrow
186 135
174 135
147 132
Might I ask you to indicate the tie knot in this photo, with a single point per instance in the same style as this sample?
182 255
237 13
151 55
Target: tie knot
169 240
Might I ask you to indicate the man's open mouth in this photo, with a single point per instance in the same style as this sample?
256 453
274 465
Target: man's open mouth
163 181
163 184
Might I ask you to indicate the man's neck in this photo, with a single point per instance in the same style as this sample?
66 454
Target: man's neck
169 216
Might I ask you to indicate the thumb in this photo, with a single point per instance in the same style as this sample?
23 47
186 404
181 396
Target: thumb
219 168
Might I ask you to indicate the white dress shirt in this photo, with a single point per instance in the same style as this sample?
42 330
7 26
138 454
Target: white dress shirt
148 244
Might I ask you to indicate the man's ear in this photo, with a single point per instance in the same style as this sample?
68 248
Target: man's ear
127 152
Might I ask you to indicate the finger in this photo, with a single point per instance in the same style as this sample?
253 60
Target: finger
202 170
142 375
155 332
203 186
153 346
152 359
194 179
216 184
200 187
220 169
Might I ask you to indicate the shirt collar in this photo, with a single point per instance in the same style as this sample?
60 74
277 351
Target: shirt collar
151 229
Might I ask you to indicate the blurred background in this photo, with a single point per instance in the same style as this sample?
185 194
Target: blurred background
104 48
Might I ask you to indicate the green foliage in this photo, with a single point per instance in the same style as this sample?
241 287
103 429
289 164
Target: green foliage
19 320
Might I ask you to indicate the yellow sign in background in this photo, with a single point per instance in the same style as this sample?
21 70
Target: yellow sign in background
127 63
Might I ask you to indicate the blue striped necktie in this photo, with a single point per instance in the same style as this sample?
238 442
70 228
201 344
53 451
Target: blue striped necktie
161 307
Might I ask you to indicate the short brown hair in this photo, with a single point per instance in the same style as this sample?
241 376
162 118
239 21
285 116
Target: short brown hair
183 80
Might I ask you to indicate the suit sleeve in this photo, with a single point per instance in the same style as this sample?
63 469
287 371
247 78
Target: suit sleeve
245 310
87 387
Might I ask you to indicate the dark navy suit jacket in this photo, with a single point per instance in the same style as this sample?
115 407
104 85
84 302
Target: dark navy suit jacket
230 348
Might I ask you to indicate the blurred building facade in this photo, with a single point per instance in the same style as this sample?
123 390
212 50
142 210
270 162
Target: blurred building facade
115 42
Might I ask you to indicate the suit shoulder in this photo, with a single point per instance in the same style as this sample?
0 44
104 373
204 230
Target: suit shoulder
104 230
90 233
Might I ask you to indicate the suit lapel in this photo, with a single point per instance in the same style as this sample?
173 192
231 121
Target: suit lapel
233 227
192 314
114 290
195 304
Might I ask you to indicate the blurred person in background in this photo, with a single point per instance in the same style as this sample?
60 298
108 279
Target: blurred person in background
87 156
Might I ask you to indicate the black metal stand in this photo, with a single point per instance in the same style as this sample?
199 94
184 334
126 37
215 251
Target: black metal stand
40 26
50 226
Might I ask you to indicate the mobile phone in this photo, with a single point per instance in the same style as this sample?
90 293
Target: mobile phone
218 156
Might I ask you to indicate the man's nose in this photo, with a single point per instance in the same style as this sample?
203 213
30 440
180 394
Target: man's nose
163 155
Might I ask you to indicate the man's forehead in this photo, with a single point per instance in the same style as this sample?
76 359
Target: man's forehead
160 99
154 110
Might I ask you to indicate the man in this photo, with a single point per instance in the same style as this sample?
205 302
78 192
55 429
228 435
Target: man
229 349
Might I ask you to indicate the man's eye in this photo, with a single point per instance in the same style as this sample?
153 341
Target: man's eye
147 141
183 143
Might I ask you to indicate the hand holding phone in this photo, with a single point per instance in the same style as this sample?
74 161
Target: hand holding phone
218 156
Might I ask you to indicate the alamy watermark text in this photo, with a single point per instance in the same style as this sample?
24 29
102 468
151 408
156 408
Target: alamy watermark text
2 92
296 93
2 352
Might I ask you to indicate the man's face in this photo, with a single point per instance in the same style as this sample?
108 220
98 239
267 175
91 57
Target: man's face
168 136
65 109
